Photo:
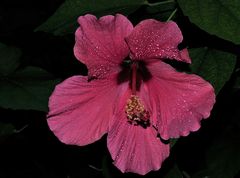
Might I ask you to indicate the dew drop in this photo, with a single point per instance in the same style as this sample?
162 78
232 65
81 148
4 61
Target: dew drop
132 156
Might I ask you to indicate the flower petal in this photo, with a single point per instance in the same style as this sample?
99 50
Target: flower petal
80 111
154 39
179 100
133 148
100 43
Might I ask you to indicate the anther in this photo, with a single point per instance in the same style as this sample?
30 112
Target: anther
136 113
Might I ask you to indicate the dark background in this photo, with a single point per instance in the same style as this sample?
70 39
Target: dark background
32 151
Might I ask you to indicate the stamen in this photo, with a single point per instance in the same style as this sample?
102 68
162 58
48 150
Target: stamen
136 113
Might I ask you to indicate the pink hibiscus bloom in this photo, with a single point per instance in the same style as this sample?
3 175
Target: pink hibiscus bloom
130 93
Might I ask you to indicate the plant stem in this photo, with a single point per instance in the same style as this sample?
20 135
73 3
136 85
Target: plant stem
172 14
159 3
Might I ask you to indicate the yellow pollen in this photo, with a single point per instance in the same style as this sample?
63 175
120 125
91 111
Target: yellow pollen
136 113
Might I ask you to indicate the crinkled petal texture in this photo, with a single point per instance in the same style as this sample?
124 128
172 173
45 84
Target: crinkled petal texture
153 39
79 111
133 148
178 100
100 43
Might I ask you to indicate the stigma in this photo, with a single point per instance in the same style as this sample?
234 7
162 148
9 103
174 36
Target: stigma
136 112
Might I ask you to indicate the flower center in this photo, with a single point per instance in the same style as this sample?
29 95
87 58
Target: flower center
136 113
134 109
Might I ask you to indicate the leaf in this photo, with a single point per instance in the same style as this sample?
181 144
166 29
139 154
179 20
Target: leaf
174 173
64 20
223 157
236 85
105 168
213 65
6 129
160 11
29 88
9 59
173 141
217 17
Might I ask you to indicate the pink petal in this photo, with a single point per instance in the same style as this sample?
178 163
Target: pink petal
80 111
133 148
179 100
100 43
154 39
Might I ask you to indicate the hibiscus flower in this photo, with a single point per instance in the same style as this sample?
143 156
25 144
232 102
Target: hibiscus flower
130 93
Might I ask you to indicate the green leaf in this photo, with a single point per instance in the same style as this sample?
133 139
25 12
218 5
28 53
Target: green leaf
9 59
213 65
105 168
223 157
217 17
27 89
64 20
6 129
236 85
174 173
173 141
161 10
